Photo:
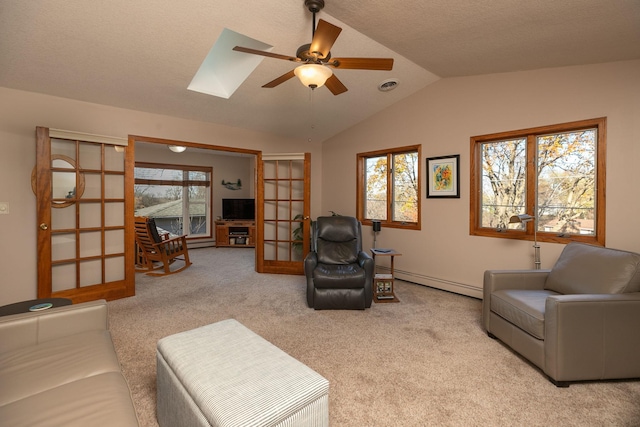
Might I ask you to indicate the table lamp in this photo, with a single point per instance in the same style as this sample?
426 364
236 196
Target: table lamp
376 229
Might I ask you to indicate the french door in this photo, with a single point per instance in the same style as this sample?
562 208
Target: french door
81 184
282 223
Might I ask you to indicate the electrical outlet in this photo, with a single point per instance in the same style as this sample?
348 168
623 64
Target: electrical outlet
4 208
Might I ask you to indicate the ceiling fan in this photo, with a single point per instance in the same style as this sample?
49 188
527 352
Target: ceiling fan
316 60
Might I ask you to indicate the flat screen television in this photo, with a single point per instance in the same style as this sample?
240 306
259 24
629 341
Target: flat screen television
238 208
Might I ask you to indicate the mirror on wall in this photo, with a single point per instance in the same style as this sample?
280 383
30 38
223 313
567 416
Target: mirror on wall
65 189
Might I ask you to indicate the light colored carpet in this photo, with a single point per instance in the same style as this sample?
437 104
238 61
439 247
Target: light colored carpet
424 361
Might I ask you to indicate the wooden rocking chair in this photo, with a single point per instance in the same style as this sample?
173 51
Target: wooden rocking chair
154 249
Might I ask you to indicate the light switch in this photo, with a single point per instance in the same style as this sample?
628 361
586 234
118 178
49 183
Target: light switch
4 208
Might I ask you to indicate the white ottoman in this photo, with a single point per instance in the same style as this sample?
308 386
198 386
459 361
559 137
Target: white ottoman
223 374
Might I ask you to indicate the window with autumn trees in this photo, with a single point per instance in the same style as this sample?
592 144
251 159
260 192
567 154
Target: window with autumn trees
388 187
554 173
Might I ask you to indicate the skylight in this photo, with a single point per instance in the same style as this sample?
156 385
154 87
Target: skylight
223 70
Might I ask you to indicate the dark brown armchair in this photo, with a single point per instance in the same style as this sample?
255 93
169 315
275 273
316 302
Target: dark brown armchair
339 273
157 252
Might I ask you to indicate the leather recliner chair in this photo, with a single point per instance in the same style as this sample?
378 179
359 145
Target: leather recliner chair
339 274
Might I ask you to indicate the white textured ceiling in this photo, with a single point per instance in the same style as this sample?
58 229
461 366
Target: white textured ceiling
143 54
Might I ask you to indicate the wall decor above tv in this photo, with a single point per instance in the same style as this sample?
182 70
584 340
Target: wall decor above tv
232 185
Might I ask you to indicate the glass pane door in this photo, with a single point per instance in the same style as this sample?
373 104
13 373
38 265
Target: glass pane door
285 213
81 208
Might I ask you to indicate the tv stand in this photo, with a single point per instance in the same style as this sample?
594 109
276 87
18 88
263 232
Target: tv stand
235 233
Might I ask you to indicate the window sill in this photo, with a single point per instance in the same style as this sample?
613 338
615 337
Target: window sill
394 224
542 237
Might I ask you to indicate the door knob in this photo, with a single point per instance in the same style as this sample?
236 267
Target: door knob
43 226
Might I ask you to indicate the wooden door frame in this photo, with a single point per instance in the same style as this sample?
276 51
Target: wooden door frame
258 159
43 211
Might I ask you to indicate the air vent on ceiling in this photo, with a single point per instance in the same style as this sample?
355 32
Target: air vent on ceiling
388 85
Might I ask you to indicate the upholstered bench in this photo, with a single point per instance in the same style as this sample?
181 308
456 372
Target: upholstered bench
223 374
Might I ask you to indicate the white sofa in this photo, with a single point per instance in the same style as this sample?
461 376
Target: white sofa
58 367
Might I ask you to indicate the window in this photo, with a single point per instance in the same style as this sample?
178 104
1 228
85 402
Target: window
177 197
389 187
554 173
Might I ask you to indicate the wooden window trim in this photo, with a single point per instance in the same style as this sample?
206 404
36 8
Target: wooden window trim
174 167
531 134
360 186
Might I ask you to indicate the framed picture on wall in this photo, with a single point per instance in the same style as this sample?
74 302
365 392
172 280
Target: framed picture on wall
443 177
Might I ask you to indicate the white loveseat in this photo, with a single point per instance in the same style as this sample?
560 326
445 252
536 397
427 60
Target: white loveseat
58 367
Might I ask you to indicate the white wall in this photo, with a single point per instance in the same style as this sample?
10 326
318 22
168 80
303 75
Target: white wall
21 112
443 116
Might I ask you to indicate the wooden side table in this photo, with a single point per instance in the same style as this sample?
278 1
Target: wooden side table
383 283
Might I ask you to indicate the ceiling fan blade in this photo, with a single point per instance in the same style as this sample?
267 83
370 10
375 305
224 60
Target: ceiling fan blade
283 78
335 85
384 64
263 53
324 38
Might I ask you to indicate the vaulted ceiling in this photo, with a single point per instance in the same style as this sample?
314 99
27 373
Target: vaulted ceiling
143 54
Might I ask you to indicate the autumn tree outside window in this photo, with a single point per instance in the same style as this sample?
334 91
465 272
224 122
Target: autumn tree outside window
555 173
388 187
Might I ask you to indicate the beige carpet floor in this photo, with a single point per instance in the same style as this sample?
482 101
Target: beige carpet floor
425 361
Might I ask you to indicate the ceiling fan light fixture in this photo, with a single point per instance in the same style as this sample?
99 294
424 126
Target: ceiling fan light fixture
177 148
313 75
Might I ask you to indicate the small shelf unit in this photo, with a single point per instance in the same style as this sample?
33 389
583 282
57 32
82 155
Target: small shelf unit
383 283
